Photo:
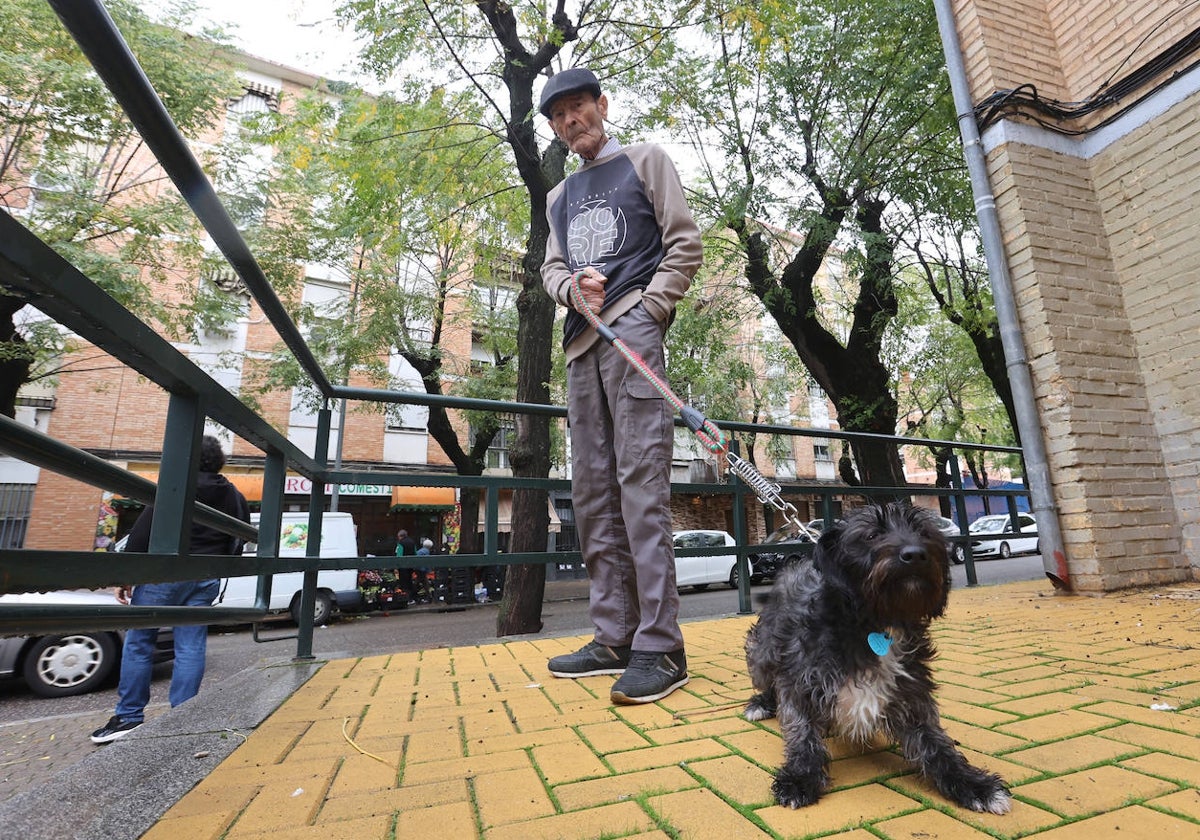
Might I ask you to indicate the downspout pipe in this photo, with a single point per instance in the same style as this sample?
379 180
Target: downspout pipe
1037 468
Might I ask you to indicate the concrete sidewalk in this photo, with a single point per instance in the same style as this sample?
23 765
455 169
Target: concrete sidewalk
1089 708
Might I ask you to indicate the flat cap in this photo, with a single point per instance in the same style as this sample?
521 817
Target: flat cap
568 81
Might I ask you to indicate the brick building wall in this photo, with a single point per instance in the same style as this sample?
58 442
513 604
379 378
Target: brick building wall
1099 234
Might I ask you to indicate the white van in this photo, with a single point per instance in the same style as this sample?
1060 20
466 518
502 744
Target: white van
335 588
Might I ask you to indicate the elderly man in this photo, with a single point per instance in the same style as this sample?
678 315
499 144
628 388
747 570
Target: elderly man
620 222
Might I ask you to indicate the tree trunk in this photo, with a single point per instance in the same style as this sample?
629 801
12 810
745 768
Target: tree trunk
15 360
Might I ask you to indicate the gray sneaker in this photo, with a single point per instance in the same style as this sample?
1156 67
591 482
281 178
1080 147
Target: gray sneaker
590 660
650 676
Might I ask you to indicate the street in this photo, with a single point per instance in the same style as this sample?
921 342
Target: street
38 736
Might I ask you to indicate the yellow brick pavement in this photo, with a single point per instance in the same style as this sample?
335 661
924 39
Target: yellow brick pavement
1089 707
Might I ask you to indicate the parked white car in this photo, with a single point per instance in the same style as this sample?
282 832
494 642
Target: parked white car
63 664
699 572
1002 542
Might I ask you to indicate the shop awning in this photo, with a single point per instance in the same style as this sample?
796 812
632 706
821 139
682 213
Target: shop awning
504 514
423 498
251 484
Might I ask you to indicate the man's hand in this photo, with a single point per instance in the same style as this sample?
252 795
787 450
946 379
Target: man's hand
124 593
592 287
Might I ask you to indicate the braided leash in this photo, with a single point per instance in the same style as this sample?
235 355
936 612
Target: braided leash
704 429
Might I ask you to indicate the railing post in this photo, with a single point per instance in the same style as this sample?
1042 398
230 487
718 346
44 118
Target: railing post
270 519
960 506
170 532
739 537
316 518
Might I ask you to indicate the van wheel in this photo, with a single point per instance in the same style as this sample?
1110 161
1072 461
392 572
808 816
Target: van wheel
1005 550
322 609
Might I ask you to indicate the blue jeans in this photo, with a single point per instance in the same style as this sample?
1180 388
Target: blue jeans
191 645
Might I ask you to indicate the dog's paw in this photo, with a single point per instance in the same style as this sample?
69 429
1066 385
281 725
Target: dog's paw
1000 802
988 795
758 709
797 791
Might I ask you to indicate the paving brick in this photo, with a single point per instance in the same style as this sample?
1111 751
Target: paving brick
1086 792
860 769
711 727
569 761
1070 754
1182 770
206 826
578 795
606 821
838 811
1154 739
664 756
612 736
464 768
1022 820
701 814
280 804
736 779
453 820
366 828
393 800
1056 725
1134 823
927 824
511 796
359 773
1185 803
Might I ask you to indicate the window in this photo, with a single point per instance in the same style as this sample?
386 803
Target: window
821 453
16 501
497 453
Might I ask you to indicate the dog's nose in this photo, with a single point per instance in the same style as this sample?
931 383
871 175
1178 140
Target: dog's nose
911 554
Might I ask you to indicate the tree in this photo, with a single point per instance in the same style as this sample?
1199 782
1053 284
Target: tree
498 52
814 127
75 171
397 195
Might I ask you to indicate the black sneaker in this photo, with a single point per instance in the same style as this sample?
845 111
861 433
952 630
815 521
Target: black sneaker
114 729
590 660
650 676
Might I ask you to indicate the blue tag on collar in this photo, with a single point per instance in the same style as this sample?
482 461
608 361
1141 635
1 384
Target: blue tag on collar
879 642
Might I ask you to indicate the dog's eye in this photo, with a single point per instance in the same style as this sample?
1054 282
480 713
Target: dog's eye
870 535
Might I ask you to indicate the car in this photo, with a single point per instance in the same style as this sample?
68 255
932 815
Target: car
768 563
700 572
1001 540
64 664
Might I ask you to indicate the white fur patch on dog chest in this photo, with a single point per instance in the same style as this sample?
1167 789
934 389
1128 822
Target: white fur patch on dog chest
861 705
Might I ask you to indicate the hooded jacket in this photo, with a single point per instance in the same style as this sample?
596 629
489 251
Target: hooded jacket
214 490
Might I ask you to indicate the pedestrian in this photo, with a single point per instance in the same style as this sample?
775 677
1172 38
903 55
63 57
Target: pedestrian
406 547
191 641
621 219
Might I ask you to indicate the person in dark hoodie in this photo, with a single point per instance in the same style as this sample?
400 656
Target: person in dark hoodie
191 641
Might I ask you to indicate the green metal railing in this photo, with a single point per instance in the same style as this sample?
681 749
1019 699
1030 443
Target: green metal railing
34 272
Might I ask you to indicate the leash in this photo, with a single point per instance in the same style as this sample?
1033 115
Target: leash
705 430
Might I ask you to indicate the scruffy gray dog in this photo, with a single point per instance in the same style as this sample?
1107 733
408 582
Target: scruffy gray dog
842 647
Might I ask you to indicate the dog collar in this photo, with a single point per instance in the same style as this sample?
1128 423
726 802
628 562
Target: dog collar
880 643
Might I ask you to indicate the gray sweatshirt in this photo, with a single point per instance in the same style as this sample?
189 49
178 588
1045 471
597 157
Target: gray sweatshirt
625 215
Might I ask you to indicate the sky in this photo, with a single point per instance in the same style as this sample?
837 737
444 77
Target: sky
299 33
